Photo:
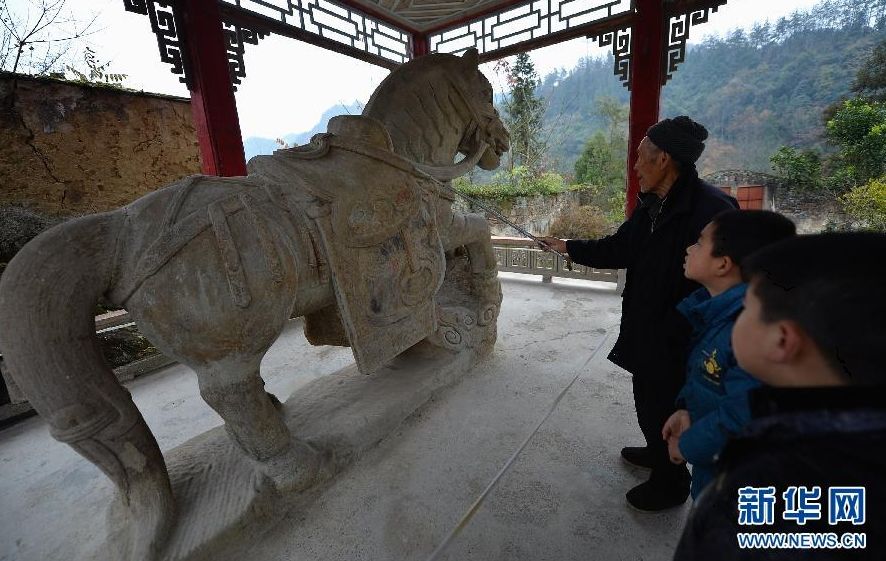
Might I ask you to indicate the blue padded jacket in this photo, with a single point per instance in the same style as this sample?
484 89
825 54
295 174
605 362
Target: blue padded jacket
716 388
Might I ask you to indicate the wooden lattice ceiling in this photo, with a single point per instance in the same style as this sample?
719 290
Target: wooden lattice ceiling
424 15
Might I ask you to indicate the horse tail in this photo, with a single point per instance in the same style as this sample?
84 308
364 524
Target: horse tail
48 297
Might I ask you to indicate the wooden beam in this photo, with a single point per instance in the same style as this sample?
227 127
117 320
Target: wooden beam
685 6
420 45
213 106
647 47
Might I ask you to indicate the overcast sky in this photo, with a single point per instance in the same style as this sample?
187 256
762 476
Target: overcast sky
289 84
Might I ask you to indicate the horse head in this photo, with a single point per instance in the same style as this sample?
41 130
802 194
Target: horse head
439 106
489 128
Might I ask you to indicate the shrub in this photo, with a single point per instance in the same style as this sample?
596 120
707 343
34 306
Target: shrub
18 225
511 184
584 222
610 199
867 203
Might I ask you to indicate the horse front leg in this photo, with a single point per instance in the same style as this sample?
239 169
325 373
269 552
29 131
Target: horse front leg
471 231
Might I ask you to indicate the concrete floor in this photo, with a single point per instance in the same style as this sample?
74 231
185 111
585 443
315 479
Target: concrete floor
563 498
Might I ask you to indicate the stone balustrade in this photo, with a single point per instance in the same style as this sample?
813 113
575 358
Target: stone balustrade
521 255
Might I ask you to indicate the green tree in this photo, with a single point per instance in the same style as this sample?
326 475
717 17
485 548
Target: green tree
859 129
602 160
798 168
856 128
524 115
603 156
615 119
867 204
593 167
870 82
36 36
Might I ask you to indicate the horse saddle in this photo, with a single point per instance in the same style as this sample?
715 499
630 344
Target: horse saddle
375 219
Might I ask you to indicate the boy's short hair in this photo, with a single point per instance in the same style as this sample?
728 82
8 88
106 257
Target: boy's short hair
834 287
738 233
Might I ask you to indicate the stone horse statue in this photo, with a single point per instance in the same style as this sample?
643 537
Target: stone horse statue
353 231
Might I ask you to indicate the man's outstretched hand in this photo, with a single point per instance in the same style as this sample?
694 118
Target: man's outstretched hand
556 244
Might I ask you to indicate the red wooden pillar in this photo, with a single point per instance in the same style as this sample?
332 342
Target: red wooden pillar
647 44
420 45
213 106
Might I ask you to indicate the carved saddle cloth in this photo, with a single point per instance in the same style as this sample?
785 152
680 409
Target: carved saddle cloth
374 215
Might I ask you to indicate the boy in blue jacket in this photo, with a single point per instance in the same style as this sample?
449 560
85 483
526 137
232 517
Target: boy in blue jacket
713 403
813 330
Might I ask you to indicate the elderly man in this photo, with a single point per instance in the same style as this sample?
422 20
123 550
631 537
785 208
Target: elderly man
653 342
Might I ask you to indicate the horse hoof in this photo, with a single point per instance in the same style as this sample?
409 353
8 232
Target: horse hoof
295 469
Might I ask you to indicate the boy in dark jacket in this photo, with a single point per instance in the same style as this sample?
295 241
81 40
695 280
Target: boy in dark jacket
805 479
713 402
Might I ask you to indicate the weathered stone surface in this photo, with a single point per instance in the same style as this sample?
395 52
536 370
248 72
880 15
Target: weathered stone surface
212 268
69 148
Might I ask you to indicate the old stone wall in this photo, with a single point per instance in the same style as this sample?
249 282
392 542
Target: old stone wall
812 213
69 149
532 213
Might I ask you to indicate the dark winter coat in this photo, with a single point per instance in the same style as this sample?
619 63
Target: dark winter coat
812 437
716 388
651 245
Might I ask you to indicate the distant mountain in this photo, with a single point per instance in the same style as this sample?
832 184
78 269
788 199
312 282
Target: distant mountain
256 145
754 90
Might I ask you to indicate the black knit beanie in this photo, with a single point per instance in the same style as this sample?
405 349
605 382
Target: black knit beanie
681 137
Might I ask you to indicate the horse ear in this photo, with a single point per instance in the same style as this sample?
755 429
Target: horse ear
472 57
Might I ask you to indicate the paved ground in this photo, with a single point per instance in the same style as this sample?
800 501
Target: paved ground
563 499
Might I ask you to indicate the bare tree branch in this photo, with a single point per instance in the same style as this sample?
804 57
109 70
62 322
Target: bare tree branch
52 31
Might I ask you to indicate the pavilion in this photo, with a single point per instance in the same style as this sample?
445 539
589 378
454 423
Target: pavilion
559 502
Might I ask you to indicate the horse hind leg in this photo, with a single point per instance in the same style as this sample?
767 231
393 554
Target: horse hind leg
242 281
198 325
254 421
